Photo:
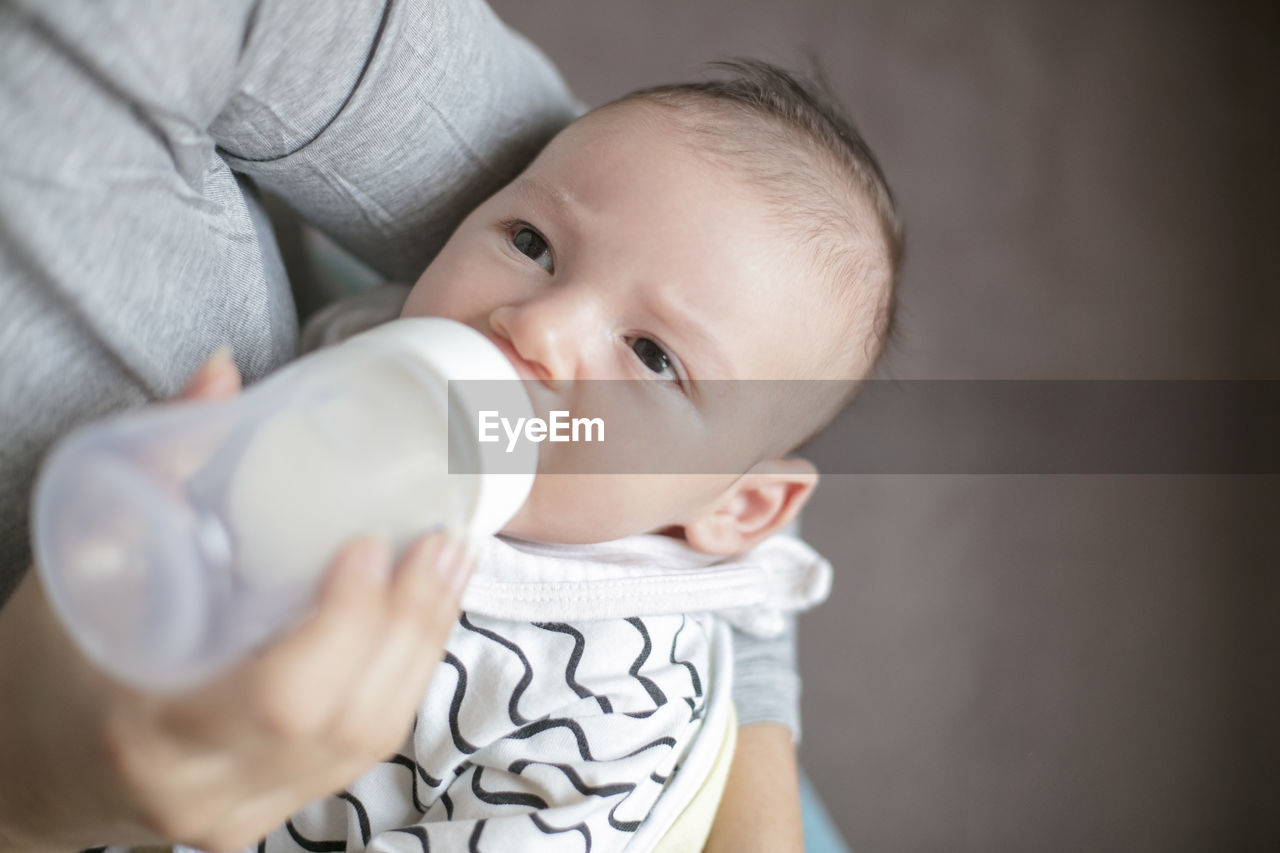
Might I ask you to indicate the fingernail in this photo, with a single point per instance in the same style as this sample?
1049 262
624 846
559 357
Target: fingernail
452 565
217 361
213 365
224 354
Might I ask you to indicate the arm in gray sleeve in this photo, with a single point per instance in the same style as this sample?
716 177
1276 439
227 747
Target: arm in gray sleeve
449 107
127 250
131 243
766 685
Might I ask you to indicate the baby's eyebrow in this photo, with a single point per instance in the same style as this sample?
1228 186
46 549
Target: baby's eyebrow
544 196
708 354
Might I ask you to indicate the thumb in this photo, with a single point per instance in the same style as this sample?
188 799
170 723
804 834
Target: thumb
218 377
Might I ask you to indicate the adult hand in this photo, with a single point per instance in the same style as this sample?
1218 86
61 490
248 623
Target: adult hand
85 760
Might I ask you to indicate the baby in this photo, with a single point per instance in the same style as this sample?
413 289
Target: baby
679 237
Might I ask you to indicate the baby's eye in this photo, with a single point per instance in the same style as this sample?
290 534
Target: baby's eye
655 358
533 245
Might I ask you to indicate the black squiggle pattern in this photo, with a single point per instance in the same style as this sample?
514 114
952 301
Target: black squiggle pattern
419 833
504 798
459 742
557 671
571 671
548 829
414 769
362 816
693 671
311 845
575 780
695 709
590 790
512 710
584 748
406 761
473 843
659 698
448 805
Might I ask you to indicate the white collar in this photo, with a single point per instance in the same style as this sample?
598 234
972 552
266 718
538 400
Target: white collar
646 575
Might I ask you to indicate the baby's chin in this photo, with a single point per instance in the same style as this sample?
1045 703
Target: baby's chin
581 509
530 530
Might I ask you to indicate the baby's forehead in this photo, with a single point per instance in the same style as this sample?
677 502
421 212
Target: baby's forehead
620 125
665 146
806 317
630 162
802 190
685 133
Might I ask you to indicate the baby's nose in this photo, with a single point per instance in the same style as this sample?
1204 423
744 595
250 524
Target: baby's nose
540 347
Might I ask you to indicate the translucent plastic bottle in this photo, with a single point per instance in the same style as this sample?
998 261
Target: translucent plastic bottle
173 540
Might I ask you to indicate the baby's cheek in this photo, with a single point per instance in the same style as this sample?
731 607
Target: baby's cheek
418 303
431 298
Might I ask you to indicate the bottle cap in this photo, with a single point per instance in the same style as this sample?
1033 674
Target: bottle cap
479 378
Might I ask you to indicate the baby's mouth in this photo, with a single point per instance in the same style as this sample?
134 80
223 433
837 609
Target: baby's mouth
540 393
524 368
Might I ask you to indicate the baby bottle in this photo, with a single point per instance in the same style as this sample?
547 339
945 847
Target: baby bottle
172 540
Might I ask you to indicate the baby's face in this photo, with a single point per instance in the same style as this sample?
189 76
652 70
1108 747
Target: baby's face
622 253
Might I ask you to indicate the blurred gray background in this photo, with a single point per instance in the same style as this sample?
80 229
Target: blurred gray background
1042 663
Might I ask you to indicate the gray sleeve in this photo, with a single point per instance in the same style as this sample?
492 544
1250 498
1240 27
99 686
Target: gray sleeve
449 106
766 684
131 243
128 251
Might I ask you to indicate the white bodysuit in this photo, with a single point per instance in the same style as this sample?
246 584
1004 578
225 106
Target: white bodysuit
580 705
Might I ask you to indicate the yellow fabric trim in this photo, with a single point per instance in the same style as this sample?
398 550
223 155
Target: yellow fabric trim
689 832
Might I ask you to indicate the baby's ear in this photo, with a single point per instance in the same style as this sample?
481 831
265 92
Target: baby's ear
757 505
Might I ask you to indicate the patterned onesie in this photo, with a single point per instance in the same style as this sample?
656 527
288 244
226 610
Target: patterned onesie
586 725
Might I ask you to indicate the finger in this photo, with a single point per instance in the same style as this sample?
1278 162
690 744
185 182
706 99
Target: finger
454 569
377 697
252 818
304 678
217 377
423 610
175 458
428 583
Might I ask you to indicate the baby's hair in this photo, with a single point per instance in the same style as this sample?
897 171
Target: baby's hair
789 134
809 155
